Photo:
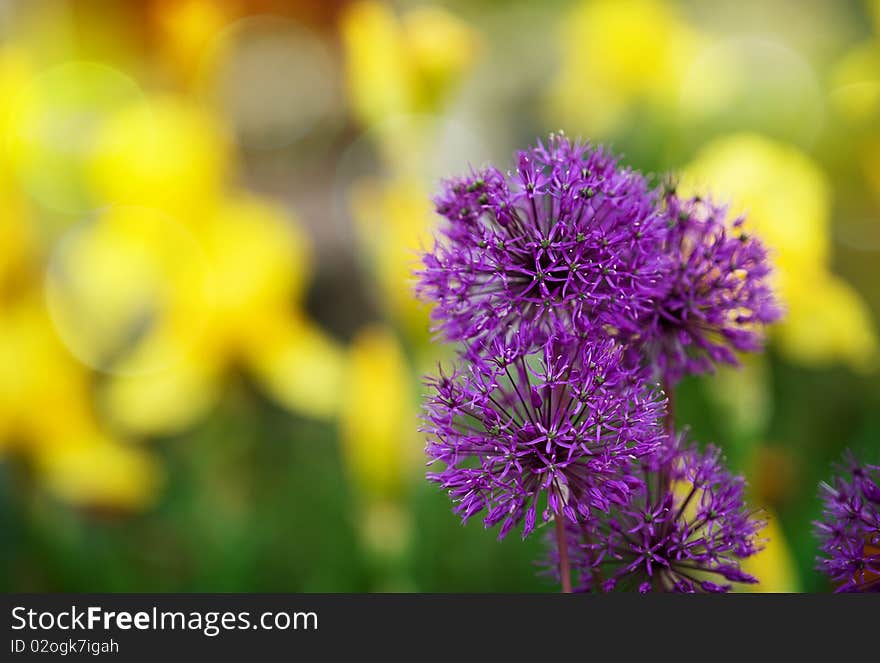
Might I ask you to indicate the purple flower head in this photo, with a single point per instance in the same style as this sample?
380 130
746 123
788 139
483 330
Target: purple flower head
849 531
569 238
716 293
684 529
540 428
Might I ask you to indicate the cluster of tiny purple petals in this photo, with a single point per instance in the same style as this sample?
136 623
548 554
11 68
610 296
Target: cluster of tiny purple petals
716 292
573 287
569 237
529 432
849 530
684 529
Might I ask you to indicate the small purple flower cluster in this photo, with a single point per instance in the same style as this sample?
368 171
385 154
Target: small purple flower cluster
716 297
684 529
575 289
849 531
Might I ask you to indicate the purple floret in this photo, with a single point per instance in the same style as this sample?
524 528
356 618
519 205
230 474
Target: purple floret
716 295
849 530
548 430
569 237
685 528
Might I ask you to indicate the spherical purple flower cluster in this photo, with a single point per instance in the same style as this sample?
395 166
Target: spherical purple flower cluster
568 238
716 295
574 287
551 431
849 530
685 529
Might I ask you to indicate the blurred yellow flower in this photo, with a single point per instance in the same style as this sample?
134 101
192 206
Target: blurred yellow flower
160 152
827 319
617 55
46 416
787 200
377 416
53 122
257 260
394 219
774 566
186 29
402 65
127 290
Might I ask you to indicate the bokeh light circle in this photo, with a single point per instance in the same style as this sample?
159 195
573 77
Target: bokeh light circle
53 126
752 83
273 79
128 291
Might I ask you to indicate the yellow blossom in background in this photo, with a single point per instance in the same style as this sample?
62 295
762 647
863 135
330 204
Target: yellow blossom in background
187 28
256 262
126 290
786 199
161 152
616 56
46 416
379 441
395 219
399 65
774 566
827 319
377 416
53 122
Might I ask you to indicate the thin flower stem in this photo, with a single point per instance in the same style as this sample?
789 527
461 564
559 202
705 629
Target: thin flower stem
562 545
664 476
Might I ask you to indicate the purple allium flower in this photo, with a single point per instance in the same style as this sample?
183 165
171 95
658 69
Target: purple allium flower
849 530
684 529
568 237
540 428
716 293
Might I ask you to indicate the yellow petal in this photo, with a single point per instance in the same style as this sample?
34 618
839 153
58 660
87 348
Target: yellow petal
121 287
786 199
259 256
87 468
441 48
774 566
376 65
298 364
37 376
826 321
162 152
616 54
377 416
55 123
165 401
784 194
187 27
394 221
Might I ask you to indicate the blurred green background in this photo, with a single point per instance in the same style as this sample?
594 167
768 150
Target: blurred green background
210 355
